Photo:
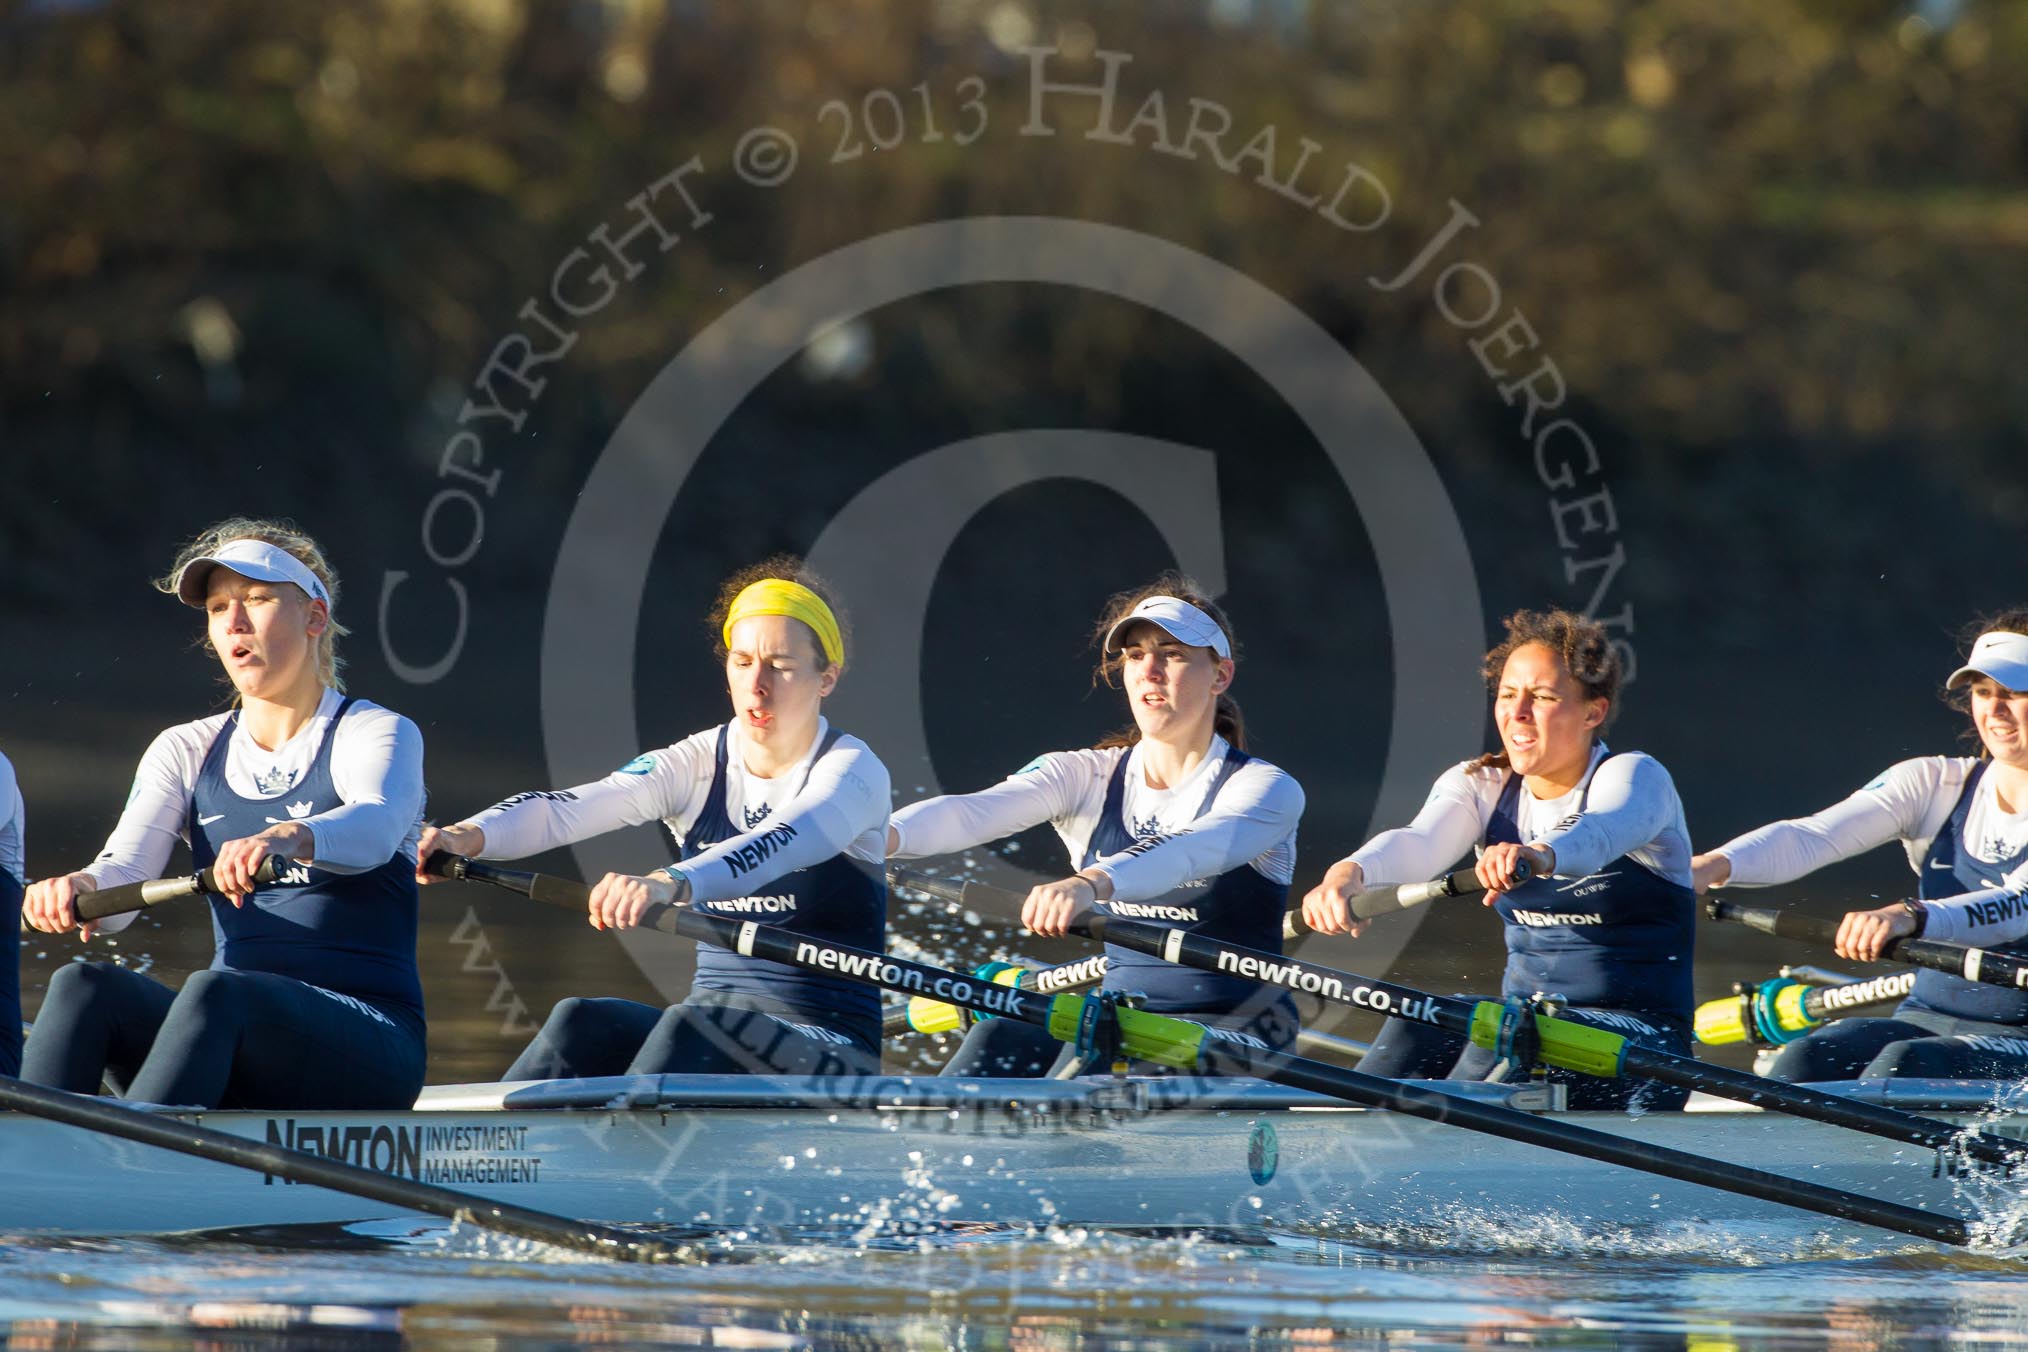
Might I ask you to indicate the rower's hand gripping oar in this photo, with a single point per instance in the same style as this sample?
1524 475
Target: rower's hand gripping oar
1175 1042
1563 1043
1971 964
107 901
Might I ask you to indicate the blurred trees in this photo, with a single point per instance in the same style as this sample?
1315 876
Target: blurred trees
287 234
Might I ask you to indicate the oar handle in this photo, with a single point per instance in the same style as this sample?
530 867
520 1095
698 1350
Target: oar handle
1380 901
535 886
1982 965
109 901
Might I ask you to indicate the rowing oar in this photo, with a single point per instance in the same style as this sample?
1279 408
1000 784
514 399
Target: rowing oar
1374 902
1563 1043
107 901
1183 1045
185 1138
1775 1012
1972 964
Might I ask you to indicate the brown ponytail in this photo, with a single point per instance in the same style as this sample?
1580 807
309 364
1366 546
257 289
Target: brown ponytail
1226 719
1581 644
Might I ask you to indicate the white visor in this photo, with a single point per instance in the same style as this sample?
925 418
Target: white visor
2000 655
256 559
1178 619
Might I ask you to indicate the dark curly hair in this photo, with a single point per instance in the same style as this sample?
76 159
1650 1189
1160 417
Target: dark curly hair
1582 645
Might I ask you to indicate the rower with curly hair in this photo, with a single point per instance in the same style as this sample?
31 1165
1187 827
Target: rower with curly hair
1603 918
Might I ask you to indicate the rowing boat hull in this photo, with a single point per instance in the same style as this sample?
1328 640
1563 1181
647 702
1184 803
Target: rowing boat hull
745 1154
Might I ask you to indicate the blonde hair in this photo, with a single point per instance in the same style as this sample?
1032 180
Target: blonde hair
282 535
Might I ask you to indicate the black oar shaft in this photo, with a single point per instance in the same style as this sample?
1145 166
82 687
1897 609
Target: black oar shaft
1456 1016
299 1166
1970 964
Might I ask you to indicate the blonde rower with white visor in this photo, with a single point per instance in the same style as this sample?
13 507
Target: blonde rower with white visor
1963 821
312 998
1169 820
779 816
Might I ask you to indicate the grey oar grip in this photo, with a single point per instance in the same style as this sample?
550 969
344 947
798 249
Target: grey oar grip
109 901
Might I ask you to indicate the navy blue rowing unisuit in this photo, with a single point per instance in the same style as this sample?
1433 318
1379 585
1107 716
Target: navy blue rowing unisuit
349 933
841 900
1620 938
1239 906
1951 871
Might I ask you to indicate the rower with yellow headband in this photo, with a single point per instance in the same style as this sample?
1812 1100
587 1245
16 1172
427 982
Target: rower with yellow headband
782 819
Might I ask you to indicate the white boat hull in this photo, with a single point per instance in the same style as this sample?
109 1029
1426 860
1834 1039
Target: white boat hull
744 1154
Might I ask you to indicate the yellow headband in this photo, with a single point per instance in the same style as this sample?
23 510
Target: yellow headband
777 596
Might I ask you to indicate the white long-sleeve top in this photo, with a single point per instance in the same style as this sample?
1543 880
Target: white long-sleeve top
1632 809
1910 802
836 803
1252 822
13 823
376 766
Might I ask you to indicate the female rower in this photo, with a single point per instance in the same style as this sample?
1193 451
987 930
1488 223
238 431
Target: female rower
13 876
1963 821
1170 818
779 816
312 999
1603 919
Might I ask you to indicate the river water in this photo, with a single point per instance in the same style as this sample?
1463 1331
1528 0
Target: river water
430 1286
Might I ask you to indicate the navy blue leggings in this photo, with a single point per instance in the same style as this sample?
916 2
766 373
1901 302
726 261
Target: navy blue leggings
226 1040
1915 1042
1406 1050
706 1035
1004 1047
